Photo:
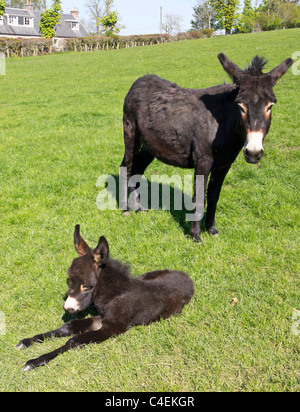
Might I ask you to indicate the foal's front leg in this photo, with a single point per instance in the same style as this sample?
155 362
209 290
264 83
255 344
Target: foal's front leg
93 336
73 327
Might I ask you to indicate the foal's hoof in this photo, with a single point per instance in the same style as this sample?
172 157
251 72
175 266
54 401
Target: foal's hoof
34 363
27 367
20 346
24 343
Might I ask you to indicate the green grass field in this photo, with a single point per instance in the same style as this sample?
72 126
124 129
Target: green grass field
61 128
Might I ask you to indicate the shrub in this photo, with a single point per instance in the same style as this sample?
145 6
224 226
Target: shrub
207 32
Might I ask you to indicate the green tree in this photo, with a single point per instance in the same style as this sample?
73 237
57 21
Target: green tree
109 19
109 24
248 9
227 12
247 22
50 18
276 14
2 7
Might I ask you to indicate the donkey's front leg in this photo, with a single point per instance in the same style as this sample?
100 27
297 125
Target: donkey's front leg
96 336
73 327
213 192
200 182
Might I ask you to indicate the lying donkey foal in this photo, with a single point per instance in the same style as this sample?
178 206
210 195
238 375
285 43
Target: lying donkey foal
122 301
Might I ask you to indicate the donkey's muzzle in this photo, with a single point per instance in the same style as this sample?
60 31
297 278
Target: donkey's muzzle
253 157
71 305
253 150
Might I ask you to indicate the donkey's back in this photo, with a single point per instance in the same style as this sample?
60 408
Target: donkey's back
160 294
169 281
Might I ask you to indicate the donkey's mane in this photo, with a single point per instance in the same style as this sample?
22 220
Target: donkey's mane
256 66
119 268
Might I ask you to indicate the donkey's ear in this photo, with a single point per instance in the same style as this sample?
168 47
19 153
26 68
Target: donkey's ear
80 245
280 70
101 252
232 69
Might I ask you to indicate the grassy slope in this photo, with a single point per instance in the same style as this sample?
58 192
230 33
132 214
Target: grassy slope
60 130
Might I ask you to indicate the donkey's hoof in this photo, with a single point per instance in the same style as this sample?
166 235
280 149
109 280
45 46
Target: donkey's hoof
126 213
196 239
213 231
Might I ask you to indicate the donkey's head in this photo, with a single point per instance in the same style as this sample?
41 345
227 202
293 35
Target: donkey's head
255 99
84 272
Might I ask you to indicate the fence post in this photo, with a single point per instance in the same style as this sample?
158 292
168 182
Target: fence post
2 72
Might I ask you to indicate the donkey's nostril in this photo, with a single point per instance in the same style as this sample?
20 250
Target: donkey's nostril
71 305
69 310
253 156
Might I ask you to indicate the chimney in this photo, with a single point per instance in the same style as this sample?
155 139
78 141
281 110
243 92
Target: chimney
74 12
29 6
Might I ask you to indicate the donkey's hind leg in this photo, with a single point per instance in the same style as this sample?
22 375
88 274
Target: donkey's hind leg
73 327
132 148
140 164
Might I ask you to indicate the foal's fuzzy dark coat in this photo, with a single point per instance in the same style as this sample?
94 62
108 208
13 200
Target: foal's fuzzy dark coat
122 301
202 129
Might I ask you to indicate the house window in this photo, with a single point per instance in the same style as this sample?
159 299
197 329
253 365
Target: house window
28 21
74 25
13 20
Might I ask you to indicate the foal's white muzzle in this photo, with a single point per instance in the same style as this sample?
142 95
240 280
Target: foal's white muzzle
71 305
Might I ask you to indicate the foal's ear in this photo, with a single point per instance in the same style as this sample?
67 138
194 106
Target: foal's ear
80 245
280 70
101 252
232 69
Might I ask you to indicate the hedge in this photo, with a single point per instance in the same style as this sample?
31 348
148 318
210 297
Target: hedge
34 47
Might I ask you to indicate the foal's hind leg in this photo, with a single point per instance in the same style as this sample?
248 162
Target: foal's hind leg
73 327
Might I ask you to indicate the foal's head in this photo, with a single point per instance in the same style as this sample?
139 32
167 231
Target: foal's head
84 272
255 99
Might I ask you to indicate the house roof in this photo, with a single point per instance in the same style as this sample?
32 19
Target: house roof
63 29
17 12
18 30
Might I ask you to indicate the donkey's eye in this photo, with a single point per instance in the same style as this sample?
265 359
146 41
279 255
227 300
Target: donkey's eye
85 288
243 108
270 107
